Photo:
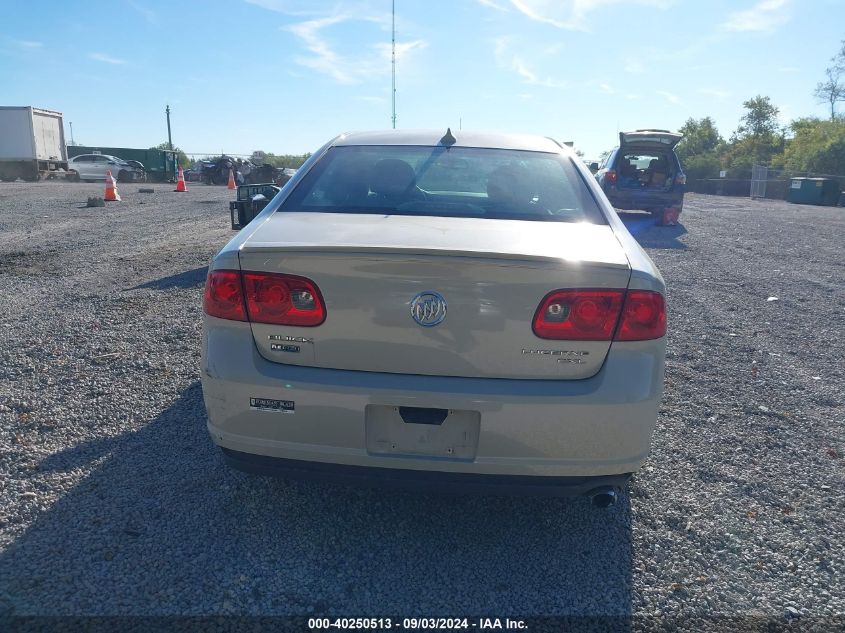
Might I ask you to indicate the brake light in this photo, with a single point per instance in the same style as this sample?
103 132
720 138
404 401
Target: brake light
592 315
681 179
283 299
610 176
578 315
224 297
643 316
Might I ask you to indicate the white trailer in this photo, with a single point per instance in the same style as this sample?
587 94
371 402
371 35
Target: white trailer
32 143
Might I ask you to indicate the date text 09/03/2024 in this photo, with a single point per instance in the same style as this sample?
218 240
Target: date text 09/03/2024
416 624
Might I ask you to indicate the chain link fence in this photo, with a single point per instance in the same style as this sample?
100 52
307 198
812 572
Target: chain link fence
765 182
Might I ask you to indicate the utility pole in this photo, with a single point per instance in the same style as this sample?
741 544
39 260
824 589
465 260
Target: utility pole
71 134
393 56
169 140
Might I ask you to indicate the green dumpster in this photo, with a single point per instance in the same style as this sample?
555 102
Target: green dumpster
823 191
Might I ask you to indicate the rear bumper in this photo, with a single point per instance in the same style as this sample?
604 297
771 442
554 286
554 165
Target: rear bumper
596 427
632 199
422 480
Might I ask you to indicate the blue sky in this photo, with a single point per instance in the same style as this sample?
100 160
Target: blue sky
284 76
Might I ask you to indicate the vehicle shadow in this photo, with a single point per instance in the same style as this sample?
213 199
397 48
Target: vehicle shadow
650 235
161 527
188 279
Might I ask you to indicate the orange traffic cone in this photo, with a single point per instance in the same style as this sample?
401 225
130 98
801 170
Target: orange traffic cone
111 194
180 181
231 184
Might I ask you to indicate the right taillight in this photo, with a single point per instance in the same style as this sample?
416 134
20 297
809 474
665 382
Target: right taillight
595 315
643 316
578 315
610 177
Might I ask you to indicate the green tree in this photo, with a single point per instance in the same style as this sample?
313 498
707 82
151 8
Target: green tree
181 158
832 89
816 146
293 161
700 137
758 138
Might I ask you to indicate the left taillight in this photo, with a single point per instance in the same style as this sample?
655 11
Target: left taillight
259 297
281 299
224 295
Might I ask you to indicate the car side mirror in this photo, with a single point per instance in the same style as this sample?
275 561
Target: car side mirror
594 167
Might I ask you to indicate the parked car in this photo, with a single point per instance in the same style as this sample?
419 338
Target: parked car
644 173
93 167
138 165
449 312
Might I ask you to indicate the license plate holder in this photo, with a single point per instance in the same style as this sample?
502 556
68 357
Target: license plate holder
455 438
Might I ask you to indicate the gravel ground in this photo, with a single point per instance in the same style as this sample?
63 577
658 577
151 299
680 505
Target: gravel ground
113 500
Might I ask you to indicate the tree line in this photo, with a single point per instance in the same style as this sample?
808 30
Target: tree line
806 144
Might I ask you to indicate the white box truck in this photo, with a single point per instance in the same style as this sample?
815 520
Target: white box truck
32 143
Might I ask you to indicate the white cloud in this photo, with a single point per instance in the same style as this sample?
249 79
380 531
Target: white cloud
345 69
671 98
106 59
511 61
633 66
766 15
713 92
632 97
493 5
571 14
606 88
30 44
149 15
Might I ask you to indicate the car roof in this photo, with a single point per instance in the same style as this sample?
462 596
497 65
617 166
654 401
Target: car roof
462 138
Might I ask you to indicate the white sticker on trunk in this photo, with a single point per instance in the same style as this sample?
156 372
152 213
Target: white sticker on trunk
268 404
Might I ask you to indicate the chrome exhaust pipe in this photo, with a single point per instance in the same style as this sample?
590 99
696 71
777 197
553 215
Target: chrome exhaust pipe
603 498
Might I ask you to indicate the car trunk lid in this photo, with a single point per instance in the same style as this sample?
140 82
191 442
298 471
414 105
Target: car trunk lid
492 274
663 139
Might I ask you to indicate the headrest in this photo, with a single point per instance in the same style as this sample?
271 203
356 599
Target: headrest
391 176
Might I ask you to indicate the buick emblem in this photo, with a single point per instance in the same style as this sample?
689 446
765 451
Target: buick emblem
428 308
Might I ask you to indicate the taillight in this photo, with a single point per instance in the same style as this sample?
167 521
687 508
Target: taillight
610 176
224 297
578 315
592 315
681 179
283 299
643 316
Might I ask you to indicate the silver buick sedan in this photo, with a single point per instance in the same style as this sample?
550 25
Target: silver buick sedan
459 311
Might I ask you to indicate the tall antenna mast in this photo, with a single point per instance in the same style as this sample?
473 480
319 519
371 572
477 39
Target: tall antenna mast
393 56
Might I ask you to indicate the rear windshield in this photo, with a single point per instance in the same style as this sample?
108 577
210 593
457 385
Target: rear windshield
462 182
